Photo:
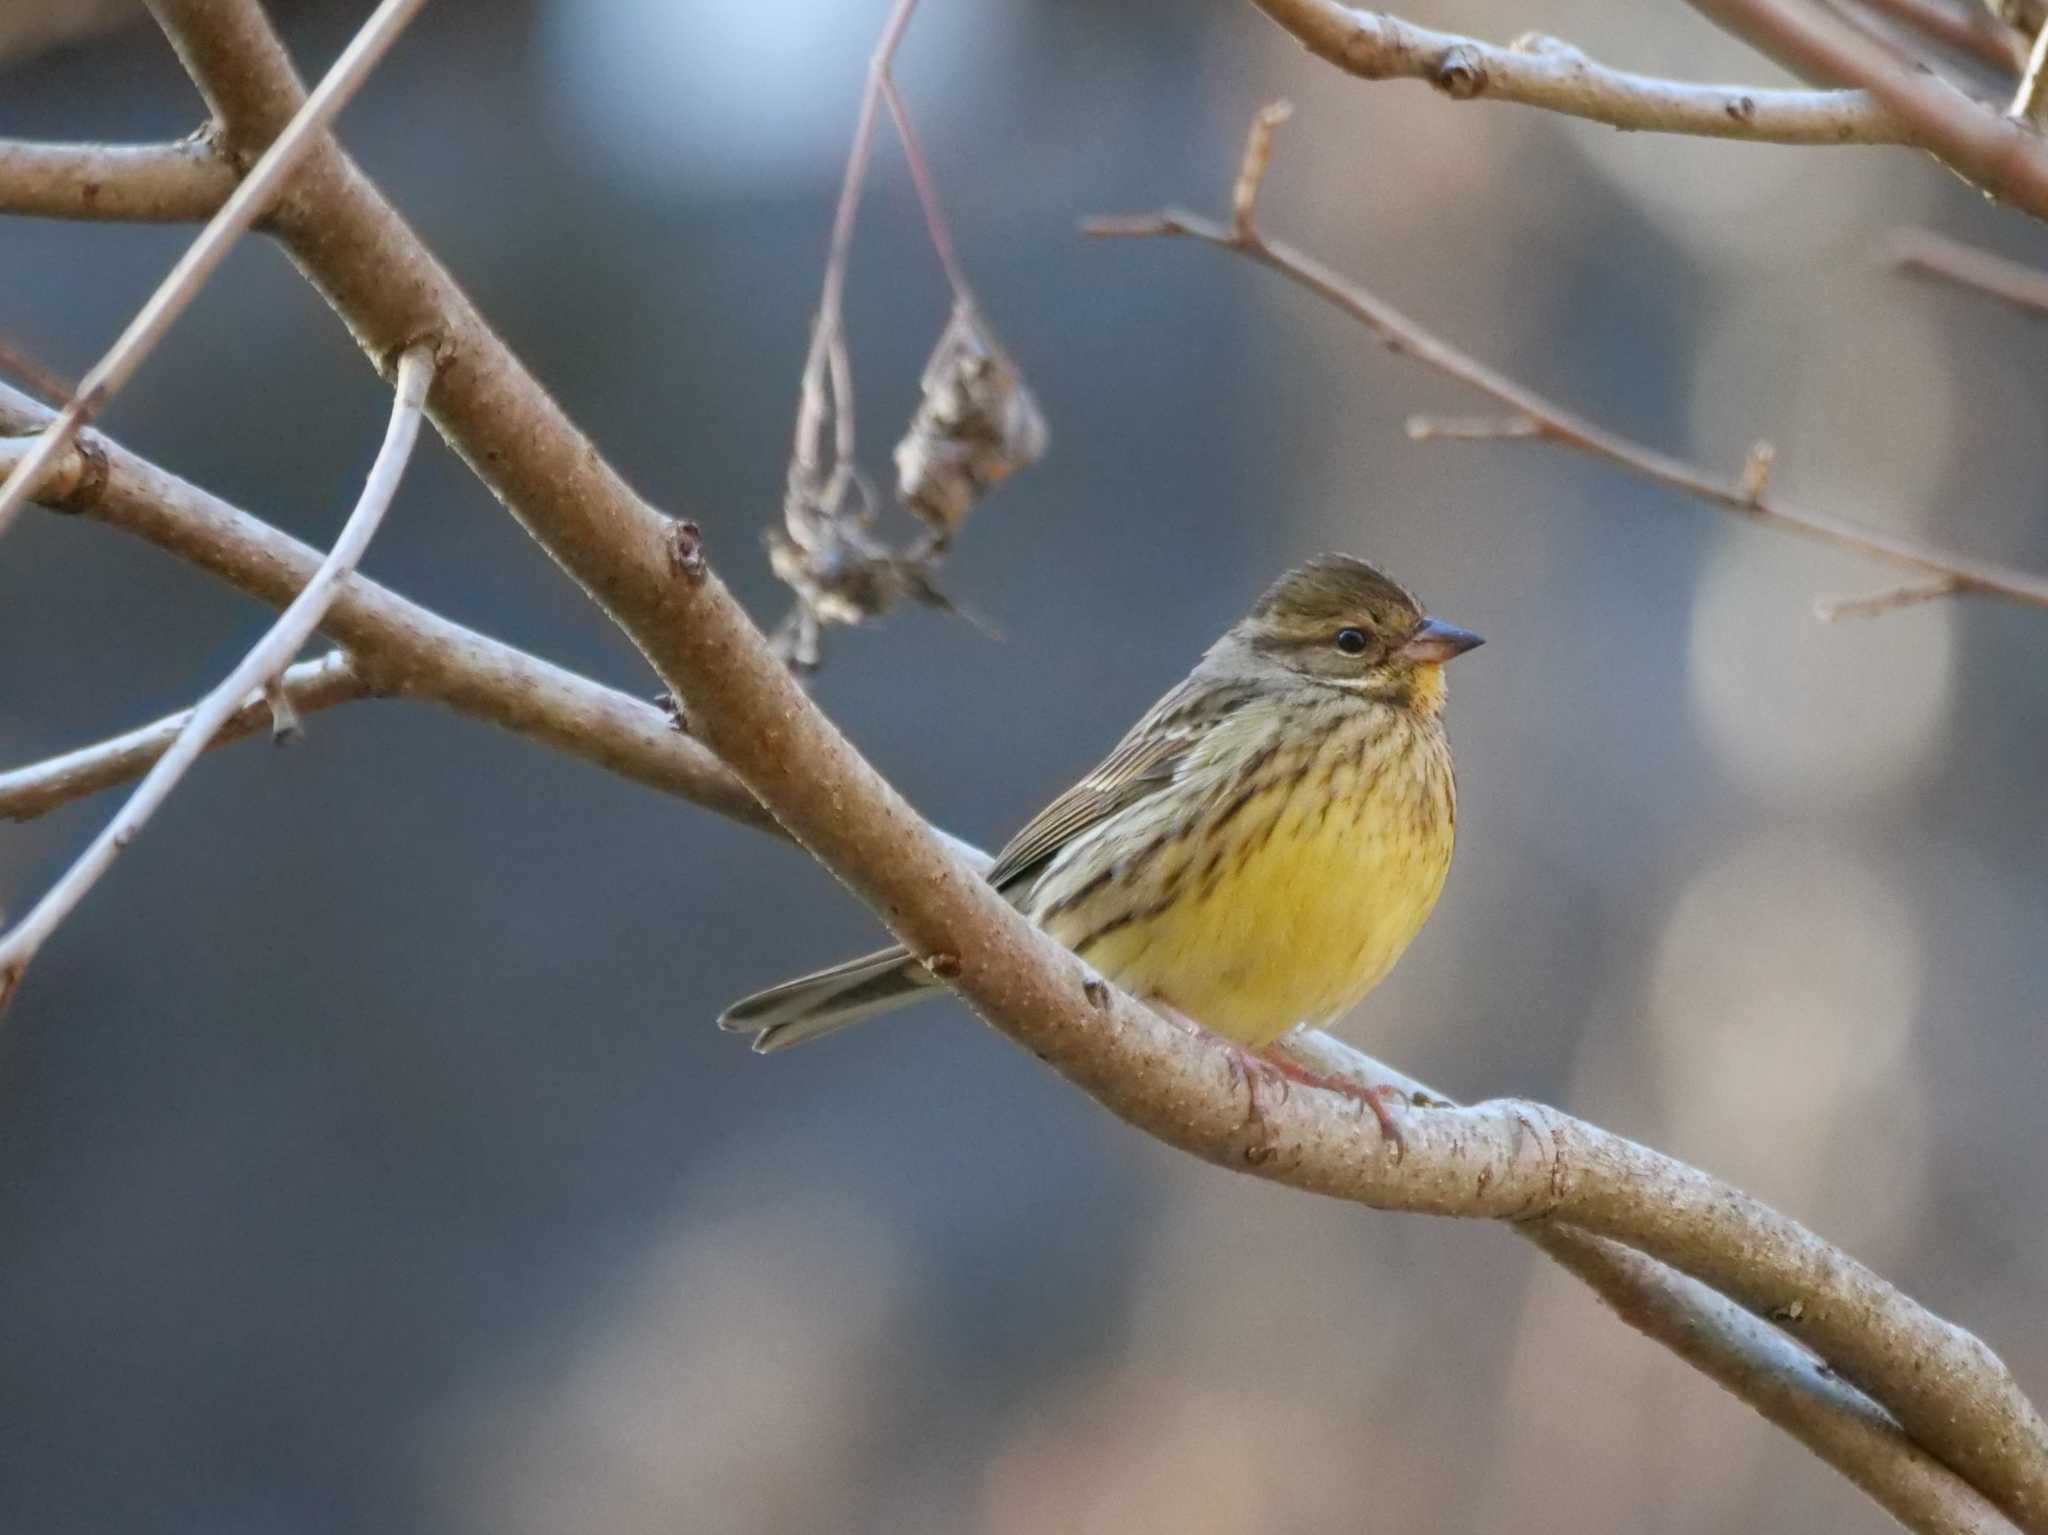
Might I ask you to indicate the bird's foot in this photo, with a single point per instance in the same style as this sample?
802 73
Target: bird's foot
1375 1098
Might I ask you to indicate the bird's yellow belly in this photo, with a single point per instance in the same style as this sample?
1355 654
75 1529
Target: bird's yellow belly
1290 917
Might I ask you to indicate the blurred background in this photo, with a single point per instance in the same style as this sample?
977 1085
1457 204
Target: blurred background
368 1160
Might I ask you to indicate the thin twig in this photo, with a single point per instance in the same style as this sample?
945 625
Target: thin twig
206 253
16 361
1910 594
936 229
179 183
1967 27
1427 428
828 334
40 787
2030 102
1923 253
271 655
1743 494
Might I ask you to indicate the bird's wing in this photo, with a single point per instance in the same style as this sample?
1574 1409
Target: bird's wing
1143 763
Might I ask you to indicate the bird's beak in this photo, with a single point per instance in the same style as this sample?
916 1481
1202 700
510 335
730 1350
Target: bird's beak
1434 640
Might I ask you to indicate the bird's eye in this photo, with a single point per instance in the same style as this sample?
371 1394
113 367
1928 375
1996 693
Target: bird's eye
1352 641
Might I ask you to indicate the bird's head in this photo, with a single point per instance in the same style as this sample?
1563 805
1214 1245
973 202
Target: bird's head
1339 622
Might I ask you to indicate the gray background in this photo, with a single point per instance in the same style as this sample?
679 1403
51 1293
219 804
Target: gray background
367 1158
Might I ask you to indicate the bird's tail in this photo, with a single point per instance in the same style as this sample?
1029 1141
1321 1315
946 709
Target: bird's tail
826 1000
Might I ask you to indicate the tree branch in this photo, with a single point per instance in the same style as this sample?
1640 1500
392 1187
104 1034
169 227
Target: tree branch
177 183
1999 154
1783 1382
30 791
1923 253
271 655
396 647
1542 72
1966 26
1746 495
182 284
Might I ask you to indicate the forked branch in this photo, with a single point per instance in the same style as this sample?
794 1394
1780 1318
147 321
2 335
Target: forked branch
261 666
1534 416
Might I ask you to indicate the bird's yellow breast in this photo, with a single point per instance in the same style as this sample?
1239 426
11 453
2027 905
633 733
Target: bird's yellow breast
1298 876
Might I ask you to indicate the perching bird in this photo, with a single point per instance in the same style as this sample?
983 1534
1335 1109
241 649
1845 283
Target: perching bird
1257 851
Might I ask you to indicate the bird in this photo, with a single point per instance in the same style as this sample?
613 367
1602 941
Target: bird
1256 852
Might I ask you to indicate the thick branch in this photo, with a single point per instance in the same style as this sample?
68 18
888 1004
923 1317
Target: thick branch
1543 72
650 575
31 791
147 183
2004 157
1785 1384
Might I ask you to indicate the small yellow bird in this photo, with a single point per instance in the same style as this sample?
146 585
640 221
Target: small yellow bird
1257 851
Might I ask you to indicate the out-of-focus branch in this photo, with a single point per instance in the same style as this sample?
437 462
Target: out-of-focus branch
206 253
1747 494
179 183
271 655
1963 25
1923 253
651 576
30 791
395 647
2003 156
1543 72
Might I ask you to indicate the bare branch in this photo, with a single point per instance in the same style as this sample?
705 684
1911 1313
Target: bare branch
1753 1361
2030 102
651 576
1923 253
1538 71
1832 609
397 647
179 183
1471 428
206 253
1963 25
2003 157
272 654
30 791
1744 494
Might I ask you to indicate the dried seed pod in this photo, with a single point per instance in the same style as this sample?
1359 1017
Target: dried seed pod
976 423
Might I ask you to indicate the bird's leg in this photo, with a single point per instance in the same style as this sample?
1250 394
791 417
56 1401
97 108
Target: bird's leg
1246 1067
1374 1098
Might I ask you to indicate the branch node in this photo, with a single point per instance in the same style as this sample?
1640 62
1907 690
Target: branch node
1251 174
1756 474
686 549
1461 73
287 728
